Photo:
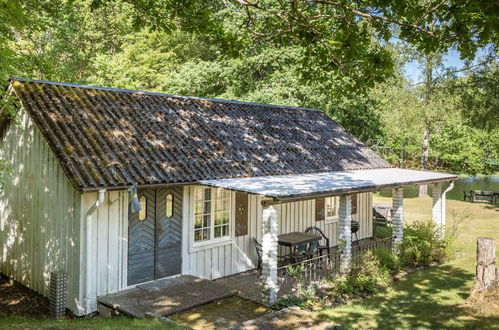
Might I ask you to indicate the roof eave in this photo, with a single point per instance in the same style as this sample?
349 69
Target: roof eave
338 192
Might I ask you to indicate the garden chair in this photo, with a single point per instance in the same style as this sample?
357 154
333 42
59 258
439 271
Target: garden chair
317 231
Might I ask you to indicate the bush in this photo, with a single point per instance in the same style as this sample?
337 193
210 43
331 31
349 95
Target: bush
367 277
387 259
422 245
382 232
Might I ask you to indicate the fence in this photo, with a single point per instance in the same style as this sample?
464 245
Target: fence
316 269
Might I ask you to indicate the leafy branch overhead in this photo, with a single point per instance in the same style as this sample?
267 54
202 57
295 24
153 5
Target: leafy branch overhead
344 39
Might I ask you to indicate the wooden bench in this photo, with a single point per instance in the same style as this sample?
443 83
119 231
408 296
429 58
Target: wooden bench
481 196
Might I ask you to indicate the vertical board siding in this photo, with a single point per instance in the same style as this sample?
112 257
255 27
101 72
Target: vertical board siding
39 214
109 244
240 255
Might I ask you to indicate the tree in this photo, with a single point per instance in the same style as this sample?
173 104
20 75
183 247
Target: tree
479 97
344 38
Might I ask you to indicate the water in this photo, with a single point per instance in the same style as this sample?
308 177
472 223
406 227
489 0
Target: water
460 186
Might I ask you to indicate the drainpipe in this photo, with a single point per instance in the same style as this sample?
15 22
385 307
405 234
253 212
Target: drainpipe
444 198
88 229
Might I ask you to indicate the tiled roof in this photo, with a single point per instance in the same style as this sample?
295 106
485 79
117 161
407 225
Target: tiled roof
113 138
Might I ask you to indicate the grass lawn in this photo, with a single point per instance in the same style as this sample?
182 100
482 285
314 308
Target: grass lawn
432 298
18 322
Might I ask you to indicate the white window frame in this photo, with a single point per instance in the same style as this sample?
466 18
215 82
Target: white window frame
335 218
212 242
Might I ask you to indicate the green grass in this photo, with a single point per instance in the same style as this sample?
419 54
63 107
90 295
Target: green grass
432 298
19 322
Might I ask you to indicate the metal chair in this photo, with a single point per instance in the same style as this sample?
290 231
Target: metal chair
313 249
317 231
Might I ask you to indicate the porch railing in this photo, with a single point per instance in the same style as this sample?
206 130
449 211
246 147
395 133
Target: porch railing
317 269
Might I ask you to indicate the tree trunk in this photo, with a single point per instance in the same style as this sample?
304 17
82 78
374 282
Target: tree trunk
486 270
423 189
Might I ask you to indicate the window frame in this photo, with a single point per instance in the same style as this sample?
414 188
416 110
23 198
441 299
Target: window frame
213 241
334 218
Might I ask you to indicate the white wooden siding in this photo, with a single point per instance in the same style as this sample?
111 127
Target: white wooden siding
239 255
39 226
109 244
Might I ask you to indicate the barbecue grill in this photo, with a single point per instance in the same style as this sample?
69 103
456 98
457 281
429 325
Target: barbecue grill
354 227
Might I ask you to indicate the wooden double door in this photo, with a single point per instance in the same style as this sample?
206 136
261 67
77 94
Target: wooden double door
155 235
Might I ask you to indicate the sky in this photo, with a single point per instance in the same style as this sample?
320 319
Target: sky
414 73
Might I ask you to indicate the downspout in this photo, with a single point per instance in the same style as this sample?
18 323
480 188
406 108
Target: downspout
444 198
88 242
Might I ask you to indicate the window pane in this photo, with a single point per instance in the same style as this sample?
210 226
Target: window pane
197 235
143 208
330 207
221 231
198 221
206 220
169 205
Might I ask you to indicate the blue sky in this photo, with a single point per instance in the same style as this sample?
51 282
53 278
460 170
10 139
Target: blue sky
451 60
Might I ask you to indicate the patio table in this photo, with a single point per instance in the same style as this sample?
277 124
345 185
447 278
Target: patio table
296 238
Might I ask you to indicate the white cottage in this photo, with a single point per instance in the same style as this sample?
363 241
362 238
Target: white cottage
212 175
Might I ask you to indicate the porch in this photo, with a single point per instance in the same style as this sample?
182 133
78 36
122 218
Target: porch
284 189
170 296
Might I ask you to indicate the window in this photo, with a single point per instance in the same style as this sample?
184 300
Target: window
169 205
332 204
143 208
211 214
331 208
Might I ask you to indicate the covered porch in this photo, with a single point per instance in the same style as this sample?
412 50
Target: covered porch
283 189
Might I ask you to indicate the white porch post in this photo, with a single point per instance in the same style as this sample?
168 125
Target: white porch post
345 223
437 205
398 217
444 201
269 254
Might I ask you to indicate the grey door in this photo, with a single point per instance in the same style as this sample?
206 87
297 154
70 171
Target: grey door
169 232
154 238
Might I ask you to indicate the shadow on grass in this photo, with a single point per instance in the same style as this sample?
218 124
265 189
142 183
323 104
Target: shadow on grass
428 299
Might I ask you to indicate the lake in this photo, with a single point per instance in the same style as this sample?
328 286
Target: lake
460 186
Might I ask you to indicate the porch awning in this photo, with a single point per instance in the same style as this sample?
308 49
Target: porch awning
298 186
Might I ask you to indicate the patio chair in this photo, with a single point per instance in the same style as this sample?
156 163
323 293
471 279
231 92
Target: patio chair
281 260
313 249
300 253
317 231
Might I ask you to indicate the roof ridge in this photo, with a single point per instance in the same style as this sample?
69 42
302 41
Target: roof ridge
131 91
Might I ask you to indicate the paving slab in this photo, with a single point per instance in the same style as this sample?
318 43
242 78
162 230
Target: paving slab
166 298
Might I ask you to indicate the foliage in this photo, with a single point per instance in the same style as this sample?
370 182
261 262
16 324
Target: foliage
344 40
387 259
423 245
5 173
382 232
303 292
289 302
369 276
478 95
